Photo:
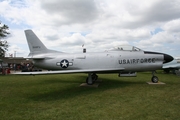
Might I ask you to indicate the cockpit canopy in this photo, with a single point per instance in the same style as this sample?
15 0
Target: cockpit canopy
125 48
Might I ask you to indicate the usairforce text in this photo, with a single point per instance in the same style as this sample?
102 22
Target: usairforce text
135 61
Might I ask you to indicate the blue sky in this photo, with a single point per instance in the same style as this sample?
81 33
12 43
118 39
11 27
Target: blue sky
66 25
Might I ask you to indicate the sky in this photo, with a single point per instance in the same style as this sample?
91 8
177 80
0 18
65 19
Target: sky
66 25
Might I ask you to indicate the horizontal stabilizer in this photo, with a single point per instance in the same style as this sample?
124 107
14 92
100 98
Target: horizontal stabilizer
38 57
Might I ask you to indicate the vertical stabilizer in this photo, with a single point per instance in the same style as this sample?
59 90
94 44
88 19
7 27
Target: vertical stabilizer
34 43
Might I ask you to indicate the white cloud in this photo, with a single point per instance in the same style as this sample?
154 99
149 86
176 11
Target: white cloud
67 24
17 43
71 11
172 26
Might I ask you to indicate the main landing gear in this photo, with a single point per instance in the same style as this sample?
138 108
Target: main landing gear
154 78
92 77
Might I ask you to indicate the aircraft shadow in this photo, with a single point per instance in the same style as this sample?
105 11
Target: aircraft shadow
73 89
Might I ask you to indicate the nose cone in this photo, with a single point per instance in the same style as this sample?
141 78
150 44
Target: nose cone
167 58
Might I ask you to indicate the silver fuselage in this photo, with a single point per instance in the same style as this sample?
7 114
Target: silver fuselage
128 60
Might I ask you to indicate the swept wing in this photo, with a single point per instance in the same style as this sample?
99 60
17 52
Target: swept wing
72 71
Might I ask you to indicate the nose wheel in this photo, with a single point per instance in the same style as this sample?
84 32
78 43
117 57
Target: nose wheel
154 78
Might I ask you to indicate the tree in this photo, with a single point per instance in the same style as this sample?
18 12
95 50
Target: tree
3 43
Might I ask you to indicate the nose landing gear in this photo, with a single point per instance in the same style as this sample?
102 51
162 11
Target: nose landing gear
154 78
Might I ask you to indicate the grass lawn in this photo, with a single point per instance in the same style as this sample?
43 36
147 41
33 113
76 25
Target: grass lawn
59 97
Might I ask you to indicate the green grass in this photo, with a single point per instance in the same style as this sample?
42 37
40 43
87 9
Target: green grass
59 97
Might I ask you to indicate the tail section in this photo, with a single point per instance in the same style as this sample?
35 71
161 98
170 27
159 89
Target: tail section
35 45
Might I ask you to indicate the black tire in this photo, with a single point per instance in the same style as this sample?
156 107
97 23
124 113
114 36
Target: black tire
89 83
94 77
154 79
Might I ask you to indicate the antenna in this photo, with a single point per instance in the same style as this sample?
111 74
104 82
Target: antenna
84 49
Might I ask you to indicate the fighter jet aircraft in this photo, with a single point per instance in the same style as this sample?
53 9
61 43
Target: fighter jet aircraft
116 60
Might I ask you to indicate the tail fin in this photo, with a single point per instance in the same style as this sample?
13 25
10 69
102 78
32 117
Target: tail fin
34 43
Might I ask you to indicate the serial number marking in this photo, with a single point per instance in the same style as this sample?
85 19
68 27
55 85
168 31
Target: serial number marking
36 47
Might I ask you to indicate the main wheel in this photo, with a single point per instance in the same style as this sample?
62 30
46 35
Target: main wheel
88 82
154 79
94 77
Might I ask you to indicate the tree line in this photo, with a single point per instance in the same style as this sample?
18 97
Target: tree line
3 43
